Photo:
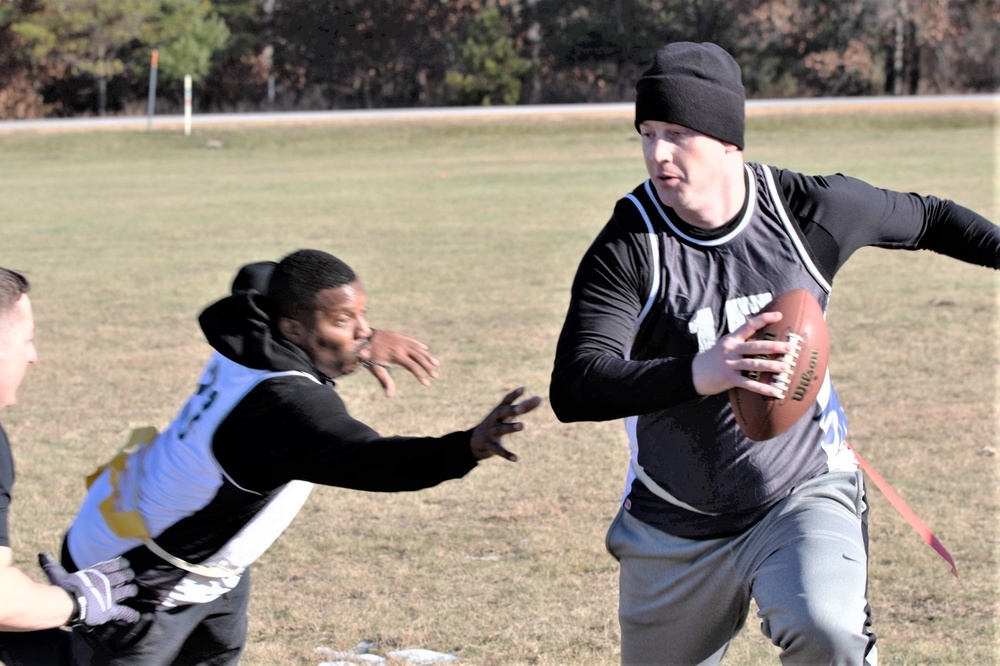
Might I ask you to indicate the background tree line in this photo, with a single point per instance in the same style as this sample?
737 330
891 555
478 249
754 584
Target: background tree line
81 57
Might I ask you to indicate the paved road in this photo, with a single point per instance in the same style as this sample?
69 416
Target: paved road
983 101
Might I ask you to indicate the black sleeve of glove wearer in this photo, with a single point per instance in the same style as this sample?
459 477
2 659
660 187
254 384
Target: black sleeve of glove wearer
6 484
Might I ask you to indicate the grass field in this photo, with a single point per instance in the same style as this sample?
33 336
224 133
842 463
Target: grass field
467 234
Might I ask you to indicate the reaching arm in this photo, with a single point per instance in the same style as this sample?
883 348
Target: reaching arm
839 214
26 605
89 597
291 428
961 233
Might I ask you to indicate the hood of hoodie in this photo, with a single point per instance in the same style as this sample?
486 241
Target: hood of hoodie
242 328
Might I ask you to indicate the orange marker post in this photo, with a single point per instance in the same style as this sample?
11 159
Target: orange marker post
151 103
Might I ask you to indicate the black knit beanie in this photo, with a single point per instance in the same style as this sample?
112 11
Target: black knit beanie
695 85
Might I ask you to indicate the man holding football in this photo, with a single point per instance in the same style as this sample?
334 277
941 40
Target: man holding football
659 327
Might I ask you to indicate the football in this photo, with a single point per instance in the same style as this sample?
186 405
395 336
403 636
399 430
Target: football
803 324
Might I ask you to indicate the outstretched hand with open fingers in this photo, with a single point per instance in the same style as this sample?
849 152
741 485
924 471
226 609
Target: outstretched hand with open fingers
721 368
388 348
487 435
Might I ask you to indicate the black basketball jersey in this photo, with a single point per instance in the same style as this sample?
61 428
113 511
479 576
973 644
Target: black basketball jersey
652 291
695 468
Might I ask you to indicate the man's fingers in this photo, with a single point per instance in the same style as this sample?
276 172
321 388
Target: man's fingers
757 322
123 592
487 435
427 362
512 396
422 369
499 450
390 348
763 347
508 409
53 570
508 403
407 353
761 363
125 614
384 377
528 405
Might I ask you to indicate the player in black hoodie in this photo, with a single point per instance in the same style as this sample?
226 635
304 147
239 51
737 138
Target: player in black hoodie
193 507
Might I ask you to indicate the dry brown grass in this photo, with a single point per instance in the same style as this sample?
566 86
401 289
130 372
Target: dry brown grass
467 235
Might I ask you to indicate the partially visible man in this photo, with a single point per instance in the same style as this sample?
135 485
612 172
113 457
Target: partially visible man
33 610
660 326
211 493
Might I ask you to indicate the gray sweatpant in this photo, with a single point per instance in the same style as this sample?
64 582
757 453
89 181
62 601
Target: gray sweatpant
805 564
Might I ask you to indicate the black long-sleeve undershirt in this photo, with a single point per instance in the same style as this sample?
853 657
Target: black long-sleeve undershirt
592 380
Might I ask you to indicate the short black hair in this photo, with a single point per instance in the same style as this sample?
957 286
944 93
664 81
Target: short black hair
12 286
300 276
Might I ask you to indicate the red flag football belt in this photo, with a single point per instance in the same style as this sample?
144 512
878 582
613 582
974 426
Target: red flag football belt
906 512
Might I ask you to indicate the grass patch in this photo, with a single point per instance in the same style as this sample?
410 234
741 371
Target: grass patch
467 234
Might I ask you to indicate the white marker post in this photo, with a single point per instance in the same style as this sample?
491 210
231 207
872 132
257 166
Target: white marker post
187 105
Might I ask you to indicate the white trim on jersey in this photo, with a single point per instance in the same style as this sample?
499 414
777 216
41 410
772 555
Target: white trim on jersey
654 250
250 542
655 488
635 469
838 455
792 234
722 240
